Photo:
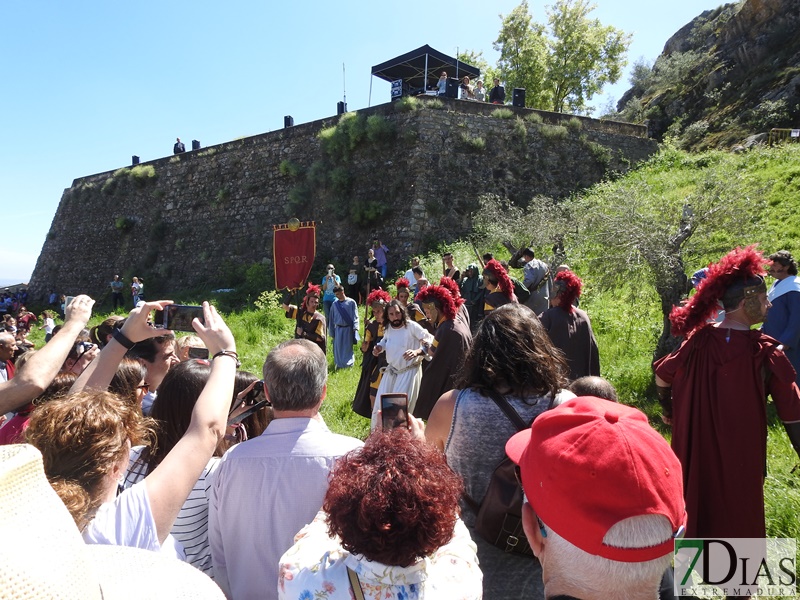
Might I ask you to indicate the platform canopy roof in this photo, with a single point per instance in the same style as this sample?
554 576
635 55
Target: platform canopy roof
422 67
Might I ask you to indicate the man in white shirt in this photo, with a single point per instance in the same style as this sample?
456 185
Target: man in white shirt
267 489
412 279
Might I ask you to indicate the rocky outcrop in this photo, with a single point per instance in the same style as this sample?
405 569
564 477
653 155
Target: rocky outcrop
735 70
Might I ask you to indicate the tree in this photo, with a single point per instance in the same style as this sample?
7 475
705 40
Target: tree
475 59
636 228
583 54
523 55
561 67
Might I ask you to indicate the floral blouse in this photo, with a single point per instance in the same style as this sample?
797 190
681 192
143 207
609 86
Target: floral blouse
315 568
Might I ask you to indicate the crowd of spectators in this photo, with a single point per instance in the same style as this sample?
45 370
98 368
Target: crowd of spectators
162 444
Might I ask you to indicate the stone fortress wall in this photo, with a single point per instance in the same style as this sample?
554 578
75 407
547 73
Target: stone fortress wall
411 177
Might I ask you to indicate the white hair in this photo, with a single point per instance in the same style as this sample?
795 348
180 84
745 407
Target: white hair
595 576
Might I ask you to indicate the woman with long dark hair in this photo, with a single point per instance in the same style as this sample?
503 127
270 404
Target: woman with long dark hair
511 355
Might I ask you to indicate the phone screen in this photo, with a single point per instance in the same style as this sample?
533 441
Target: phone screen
178 317
198 353
394 410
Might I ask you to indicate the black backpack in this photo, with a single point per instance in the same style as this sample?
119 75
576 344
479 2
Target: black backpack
499 515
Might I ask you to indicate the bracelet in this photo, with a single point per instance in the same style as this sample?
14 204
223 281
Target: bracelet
122 339
231 353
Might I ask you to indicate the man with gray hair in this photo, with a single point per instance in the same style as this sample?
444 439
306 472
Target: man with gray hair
267 489
603 500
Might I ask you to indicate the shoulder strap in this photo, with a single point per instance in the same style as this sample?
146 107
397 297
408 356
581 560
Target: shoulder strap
355 584
508 410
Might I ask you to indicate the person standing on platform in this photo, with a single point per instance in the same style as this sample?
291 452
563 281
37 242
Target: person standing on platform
713 391
497 95
178 148
343 328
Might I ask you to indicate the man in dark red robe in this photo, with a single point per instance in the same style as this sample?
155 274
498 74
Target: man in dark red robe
713 392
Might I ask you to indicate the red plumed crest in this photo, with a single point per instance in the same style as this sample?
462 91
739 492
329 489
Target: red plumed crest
313 290
402 283
441 297
452 287
504 284
569 288
378 295
739 265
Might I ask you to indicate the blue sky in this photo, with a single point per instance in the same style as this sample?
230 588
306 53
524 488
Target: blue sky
87 84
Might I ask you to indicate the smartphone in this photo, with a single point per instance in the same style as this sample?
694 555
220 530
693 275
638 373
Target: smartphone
394 411
198 353
250 411
178 317
67 301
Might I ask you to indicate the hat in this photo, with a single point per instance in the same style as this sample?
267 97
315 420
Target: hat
568 286
44 556
589 464
441 298
738 275
313 290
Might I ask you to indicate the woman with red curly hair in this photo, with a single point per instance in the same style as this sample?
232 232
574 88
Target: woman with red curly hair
310 323
569 327
499 287
388 527
371 365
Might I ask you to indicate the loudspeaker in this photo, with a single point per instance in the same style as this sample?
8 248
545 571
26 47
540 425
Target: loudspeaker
288 121
452 88
134 160
195 145
341 108
518 99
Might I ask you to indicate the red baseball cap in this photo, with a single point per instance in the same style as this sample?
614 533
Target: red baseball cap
589 464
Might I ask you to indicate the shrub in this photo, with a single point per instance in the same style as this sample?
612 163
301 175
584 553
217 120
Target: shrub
175 159
553 132
520 130
109 187
475 144
534 118
289 168
340 180
601 153
693 133
574 124
503 113
124 224
141 175
379 129
769 114
434 104
407 104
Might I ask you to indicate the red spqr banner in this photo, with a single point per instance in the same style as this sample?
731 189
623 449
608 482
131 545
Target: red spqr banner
294 246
